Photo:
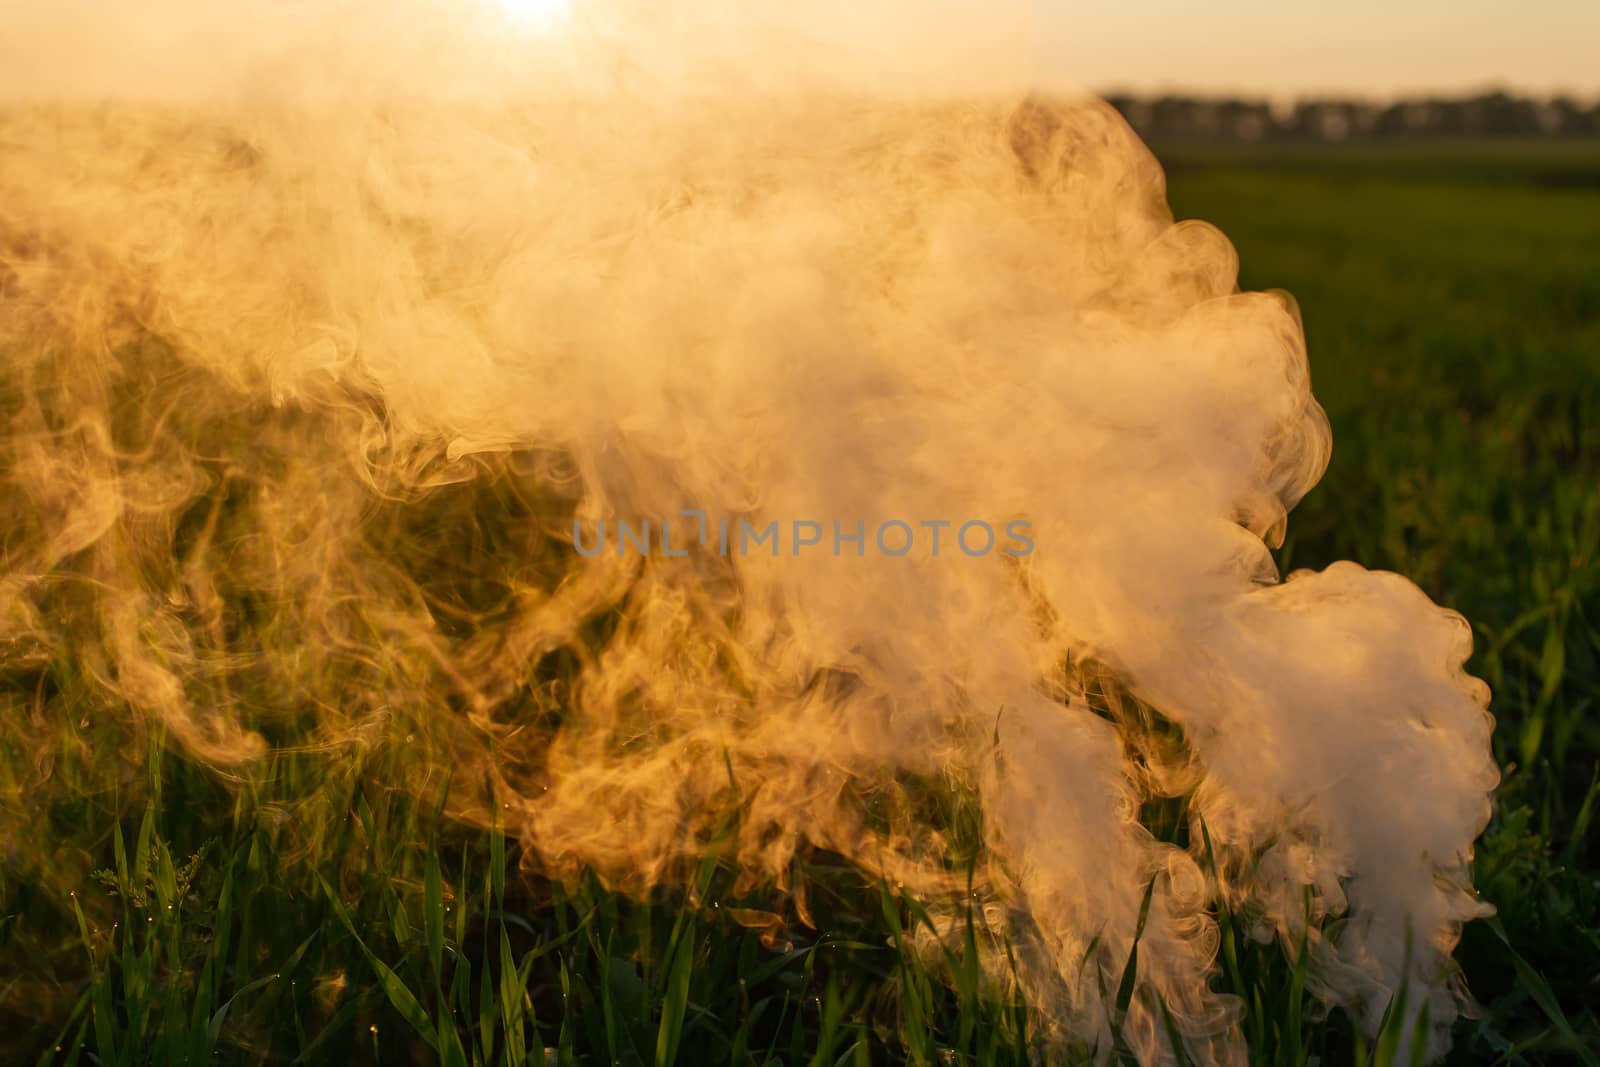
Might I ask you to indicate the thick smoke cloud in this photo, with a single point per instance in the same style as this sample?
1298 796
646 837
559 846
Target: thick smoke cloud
321 327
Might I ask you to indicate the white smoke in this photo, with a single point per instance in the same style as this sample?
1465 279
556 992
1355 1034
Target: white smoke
343 266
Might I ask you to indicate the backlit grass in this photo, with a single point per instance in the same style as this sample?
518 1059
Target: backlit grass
1452 304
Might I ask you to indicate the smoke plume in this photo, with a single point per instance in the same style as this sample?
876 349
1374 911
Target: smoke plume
326 327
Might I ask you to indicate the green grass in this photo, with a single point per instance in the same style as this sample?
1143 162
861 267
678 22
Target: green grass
1451 299
1452 303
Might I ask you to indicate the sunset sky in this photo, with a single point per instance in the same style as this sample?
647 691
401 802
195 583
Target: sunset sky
1376 47
1274 48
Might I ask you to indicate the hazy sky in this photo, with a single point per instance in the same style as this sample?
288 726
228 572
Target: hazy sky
1282 48
1277 49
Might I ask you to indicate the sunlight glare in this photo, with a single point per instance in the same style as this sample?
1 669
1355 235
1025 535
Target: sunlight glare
535 12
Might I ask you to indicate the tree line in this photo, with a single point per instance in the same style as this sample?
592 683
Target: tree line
1490 114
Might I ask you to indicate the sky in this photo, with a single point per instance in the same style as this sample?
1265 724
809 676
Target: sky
1369 47
1278 50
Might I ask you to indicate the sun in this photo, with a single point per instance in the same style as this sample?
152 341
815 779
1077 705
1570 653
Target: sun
535 12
